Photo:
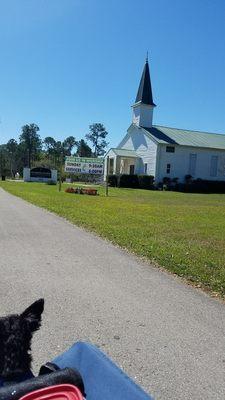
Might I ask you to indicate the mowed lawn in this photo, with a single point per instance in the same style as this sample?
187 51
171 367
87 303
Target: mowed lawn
184 233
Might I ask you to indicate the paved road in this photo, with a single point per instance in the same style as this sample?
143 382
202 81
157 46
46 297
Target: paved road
168 336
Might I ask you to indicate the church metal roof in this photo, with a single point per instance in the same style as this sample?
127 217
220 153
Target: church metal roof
144 94
183 137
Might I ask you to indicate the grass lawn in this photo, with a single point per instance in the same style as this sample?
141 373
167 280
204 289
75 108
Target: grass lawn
184 233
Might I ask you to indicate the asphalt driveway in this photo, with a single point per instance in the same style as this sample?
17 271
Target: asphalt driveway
168 336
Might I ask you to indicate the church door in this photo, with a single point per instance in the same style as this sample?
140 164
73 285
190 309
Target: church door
131 169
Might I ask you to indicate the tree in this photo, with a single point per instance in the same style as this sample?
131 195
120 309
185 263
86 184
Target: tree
21 157
97 137
31 141
12 147
68 145
83 150
3 160
58 150
50 147
49 144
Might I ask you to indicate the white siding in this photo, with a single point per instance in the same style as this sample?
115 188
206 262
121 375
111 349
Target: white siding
180 163
143 114
145 148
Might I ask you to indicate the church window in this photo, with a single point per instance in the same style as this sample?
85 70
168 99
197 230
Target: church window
213 166
192 164
168 167
146 168
170 149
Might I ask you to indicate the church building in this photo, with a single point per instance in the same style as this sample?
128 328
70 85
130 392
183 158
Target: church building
162 151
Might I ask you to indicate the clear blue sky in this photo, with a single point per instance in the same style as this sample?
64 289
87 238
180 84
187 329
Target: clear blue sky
68 63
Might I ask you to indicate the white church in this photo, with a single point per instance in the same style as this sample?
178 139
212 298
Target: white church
162 151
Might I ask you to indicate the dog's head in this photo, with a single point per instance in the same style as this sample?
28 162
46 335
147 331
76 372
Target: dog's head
16 332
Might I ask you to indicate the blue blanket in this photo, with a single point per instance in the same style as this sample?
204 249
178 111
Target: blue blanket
103 380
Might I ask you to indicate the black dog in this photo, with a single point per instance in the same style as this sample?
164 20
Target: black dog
16 332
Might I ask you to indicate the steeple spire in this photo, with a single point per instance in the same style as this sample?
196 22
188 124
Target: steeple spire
144 94
143 107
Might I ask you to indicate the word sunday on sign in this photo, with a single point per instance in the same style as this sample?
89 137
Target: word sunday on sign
82 165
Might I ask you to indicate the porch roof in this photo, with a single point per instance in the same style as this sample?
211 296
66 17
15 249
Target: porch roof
125 153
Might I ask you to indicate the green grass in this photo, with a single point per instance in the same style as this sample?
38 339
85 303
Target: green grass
184 233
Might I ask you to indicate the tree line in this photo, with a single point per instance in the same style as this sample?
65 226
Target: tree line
32 151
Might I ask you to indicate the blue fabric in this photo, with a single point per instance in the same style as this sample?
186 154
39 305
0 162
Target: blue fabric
103 380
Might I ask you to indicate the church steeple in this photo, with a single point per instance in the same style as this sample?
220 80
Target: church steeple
144 93
143 106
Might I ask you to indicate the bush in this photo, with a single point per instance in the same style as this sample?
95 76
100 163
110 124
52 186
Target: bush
166 180
129 181
132 181
188 178
146 181
169 183
202 186
113 180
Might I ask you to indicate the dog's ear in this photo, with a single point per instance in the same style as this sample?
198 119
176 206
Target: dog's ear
32 315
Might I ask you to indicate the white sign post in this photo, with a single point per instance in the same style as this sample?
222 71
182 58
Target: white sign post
83 165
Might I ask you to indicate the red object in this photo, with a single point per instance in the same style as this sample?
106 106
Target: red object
57 392
70 190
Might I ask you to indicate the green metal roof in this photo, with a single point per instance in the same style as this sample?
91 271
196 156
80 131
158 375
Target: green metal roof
166 135
125 153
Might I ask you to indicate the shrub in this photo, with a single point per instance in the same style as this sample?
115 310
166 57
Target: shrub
132 181
113 180
188 178
146 181
129 181
166 180
159 186
206 186
202 186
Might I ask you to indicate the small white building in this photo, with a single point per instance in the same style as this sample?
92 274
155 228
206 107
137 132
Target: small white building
162 151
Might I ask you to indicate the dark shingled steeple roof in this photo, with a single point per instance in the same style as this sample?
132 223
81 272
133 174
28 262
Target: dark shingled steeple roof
144 93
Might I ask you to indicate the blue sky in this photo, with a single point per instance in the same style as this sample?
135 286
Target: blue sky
68 63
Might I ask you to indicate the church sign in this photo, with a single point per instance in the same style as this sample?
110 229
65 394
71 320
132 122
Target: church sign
83 165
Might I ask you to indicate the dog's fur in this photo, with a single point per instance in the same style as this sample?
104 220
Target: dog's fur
16 332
